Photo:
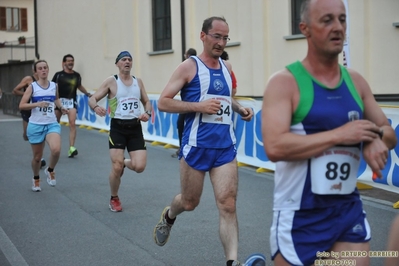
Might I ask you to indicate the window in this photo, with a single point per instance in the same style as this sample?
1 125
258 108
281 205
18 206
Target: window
13 19
296 16
161 25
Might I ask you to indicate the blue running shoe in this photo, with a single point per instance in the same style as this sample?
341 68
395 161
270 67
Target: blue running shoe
256 259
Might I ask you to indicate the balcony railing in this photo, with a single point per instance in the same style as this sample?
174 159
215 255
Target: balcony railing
14 51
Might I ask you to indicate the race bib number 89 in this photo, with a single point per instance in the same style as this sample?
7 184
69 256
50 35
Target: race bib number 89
335 171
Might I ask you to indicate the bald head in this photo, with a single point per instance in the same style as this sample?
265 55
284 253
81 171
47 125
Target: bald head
324 25
307 5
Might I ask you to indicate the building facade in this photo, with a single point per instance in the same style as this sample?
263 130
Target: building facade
263 36
17 31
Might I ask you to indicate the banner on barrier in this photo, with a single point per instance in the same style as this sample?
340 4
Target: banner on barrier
162 127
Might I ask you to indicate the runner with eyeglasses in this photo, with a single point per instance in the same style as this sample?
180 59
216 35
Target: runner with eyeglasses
208 143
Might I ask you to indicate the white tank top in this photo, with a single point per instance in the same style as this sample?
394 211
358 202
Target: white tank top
43 115
126 103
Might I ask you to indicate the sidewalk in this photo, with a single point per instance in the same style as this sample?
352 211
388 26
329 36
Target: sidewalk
45 228
4 117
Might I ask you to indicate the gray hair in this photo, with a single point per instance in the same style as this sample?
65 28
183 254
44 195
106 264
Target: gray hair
305 11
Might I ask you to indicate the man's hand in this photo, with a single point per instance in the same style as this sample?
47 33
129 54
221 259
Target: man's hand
64 110
246 113
357 131
100 110
42 104
210 106
144 117
375 153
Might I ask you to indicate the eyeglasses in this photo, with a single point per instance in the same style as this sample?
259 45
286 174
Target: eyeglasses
218 37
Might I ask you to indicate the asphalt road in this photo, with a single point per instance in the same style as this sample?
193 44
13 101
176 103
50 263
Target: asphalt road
71 225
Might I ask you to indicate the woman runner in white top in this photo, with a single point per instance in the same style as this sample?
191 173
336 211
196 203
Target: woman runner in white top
41 97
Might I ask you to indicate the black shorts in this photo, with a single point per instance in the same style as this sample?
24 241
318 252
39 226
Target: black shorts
25 114
126 134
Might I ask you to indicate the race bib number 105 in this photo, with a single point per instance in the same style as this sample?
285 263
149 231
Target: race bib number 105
47 110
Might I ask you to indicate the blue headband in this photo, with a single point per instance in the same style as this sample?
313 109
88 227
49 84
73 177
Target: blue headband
121 55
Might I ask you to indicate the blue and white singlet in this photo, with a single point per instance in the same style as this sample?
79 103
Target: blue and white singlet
43 115
209 131
329 178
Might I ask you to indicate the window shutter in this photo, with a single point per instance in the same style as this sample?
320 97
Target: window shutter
3 24
24 19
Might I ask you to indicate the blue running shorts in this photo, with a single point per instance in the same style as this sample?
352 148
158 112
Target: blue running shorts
204 159
37 133
299 235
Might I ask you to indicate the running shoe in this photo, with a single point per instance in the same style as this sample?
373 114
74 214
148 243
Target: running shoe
236 263
115 205
162 229
50 177
72 152
255 259
36 185
176 154
42 163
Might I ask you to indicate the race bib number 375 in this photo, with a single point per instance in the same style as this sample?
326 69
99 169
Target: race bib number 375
129 107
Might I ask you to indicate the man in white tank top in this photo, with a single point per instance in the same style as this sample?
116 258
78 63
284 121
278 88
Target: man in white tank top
124 93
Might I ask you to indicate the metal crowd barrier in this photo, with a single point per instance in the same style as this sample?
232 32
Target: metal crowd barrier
10 104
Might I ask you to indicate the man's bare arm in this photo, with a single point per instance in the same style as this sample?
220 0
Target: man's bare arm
144 96
375 152
19 89
372 111
179 78
103 90
84 91
281 144
246 113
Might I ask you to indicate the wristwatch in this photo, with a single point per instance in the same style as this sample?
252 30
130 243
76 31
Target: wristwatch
381 133
148 113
